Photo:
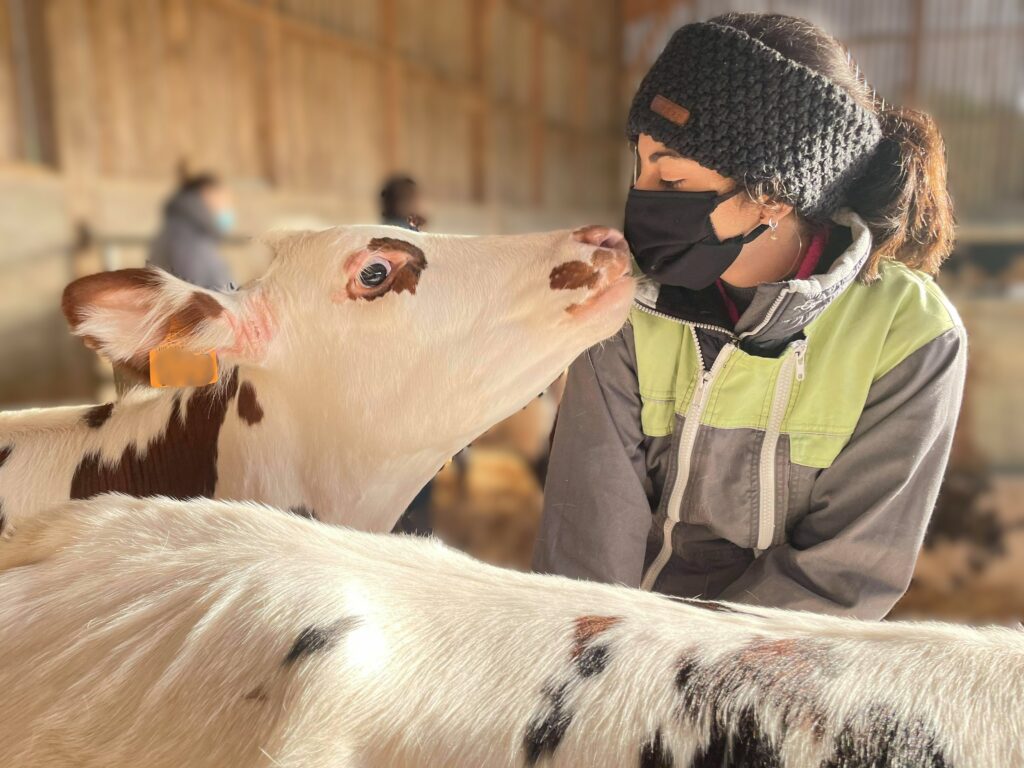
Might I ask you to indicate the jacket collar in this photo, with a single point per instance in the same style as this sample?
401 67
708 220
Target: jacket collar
779 311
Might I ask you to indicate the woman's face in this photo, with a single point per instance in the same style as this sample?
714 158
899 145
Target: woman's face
662 168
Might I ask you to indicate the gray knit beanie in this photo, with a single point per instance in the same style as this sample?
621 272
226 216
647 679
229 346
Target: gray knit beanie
735 105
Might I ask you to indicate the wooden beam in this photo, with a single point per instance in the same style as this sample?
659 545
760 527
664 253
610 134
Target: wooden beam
273 144
537 110
481 109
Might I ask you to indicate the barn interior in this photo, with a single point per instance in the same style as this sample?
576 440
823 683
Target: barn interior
510 116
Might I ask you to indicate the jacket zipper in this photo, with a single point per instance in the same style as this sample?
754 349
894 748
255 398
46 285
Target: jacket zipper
684 456
768 315
792 370
703 326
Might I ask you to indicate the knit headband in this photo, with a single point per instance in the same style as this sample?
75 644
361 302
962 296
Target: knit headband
735 105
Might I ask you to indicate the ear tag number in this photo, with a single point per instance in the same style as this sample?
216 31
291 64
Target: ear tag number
173 366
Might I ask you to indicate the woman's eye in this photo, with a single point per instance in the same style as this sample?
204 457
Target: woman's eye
666 184
374 273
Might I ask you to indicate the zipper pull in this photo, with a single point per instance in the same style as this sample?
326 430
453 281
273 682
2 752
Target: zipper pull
800 351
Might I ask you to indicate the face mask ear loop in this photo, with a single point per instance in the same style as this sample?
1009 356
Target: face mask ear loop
636 164
754 234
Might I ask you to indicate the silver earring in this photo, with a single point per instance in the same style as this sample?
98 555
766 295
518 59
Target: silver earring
773 225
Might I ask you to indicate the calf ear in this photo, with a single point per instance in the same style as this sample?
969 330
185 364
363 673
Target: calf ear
125 314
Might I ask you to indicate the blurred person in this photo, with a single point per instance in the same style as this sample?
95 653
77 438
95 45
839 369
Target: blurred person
773 425
401 204
197 218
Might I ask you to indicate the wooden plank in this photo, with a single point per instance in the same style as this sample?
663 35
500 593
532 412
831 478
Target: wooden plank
537 108
481 47
8 113
391 150
271 124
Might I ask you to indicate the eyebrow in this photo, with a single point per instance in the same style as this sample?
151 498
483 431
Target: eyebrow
656 156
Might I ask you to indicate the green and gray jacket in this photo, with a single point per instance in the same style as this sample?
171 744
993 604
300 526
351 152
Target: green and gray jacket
793 462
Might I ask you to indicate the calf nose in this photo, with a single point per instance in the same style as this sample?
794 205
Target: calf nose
601 237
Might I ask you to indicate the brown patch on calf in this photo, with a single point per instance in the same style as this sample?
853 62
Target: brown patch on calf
97 416
249 409
199 308
5 453
181 463
589 627
572 275
406 277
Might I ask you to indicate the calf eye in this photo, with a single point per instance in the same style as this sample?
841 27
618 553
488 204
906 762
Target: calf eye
375 273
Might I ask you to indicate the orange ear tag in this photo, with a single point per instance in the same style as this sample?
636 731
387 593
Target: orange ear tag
172 366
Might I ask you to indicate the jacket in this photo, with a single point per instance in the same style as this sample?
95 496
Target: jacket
187 245
791 461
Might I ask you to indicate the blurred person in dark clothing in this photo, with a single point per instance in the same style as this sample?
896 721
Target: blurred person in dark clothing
401 204
197 218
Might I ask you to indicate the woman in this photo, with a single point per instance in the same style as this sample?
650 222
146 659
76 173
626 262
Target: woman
197 218
773 425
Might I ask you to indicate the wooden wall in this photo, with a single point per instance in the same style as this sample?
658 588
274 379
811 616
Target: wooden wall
508 112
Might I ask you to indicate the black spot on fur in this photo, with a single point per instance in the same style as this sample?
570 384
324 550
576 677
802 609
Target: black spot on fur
3 520
97 416
592 661
878 739
654 754
314 639
685 672
545 732
5 453
750 745
711 692
303 511
712 754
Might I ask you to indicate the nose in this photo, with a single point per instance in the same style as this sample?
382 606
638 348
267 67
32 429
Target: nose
601 237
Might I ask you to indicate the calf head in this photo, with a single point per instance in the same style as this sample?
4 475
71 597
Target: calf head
386 349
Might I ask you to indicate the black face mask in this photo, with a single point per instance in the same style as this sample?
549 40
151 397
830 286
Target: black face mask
671 237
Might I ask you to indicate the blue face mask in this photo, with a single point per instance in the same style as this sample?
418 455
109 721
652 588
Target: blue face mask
225 220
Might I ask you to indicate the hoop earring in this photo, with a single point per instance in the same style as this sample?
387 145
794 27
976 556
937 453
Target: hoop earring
773 225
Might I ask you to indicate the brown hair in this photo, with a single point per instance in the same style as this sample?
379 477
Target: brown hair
901 193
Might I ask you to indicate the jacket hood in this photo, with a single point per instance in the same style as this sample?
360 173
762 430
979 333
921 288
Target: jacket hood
780 310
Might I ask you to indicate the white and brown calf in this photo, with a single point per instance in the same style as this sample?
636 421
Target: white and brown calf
150 632
361 361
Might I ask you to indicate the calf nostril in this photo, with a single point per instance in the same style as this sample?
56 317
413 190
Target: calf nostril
614 239
601 237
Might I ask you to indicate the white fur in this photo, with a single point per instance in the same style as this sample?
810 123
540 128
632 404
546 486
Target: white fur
363 401
152 632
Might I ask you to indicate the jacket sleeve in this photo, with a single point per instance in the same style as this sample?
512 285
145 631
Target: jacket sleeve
854 552
597 512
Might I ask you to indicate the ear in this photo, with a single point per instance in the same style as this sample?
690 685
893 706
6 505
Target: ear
774 210
125 314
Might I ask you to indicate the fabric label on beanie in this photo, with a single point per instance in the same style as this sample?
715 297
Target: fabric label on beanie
670 110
